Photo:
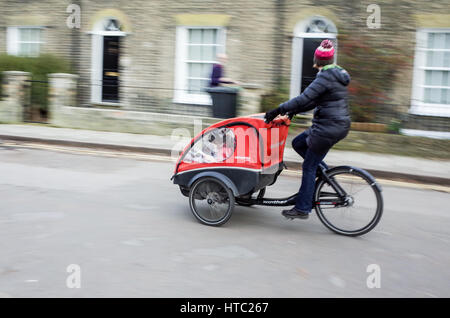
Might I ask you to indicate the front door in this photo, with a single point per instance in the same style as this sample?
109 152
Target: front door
308 72
111 51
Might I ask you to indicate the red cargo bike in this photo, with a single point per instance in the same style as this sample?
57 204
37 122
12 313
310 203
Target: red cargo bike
233 161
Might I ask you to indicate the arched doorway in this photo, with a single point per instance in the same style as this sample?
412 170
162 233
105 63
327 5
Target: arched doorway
105 68
307 37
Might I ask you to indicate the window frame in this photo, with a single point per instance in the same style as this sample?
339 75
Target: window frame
181 94
418 106
14 41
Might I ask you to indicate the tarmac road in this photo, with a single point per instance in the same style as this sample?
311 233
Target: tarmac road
130 232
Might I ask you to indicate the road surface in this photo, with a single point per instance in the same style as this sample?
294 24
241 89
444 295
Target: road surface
117 227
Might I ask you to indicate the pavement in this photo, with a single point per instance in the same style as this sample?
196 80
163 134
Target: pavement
118 227
380 165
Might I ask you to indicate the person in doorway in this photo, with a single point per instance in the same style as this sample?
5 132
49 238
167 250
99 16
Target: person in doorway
331 122
217 74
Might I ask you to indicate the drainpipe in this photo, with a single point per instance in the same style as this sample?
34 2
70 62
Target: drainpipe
75 53
278 42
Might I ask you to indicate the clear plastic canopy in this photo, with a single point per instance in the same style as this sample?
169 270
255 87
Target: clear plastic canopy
214 146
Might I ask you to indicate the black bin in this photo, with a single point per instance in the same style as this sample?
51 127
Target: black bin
224 101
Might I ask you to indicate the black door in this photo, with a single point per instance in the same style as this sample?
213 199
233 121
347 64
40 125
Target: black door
308 72
111 50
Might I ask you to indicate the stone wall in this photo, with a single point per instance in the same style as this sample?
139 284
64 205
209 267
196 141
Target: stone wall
15 91
64 113
50 14
148 51
258 40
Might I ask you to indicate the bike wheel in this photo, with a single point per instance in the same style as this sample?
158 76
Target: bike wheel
362 209
211 201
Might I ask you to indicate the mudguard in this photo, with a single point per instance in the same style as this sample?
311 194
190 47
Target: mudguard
216 175
373 181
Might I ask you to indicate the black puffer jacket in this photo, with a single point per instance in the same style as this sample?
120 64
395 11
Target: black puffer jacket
328 94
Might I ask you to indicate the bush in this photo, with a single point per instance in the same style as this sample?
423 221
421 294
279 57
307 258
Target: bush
394 126
372 66
39 67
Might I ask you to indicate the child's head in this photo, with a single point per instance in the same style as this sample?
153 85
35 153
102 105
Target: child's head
324 54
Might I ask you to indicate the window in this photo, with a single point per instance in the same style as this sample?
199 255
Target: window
24 41
197 49
431 84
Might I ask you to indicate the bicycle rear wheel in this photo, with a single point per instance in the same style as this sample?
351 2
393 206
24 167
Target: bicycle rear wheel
358 213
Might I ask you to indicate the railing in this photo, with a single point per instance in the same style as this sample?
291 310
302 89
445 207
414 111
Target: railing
381 117
378 116
144 98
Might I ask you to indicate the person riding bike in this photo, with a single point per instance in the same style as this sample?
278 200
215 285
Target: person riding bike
330 124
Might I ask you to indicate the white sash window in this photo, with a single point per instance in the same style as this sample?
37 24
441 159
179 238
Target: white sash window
197 49
24 41
431 83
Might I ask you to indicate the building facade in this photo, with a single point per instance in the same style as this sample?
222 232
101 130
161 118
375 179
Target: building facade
158 54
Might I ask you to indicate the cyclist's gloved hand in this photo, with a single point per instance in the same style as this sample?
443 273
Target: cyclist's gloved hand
272 114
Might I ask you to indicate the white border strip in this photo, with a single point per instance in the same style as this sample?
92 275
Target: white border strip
220 167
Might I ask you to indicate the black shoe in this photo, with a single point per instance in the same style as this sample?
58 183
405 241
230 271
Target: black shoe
295 214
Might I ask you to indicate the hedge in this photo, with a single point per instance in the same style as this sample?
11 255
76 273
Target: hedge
39 67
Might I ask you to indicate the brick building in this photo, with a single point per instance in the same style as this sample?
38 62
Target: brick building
162 50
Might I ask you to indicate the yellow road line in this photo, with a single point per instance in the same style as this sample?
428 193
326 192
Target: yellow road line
95 152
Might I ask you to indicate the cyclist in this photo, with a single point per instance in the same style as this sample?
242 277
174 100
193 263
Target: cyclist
330 124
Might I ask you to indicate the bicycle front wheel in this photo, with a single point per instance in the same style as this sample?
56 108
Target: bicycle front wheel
355 215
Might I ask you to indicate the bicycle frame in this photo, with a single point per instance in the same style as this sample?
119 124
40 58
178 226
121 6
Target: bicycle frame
288 201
